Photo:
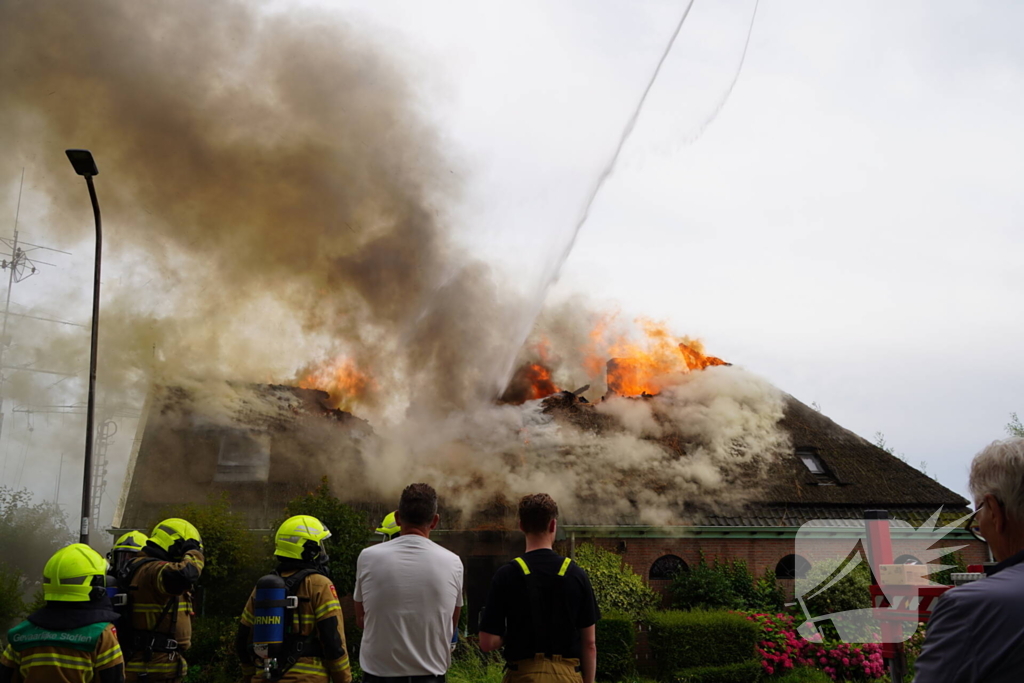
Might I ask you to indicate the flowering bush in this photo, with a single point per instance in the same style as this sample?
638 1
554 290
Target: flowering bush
781 649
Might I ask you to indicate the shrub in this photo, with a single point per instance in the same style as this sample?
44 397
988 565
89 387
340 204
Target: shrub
725 585
956 563
782 650
768 594
705 586
233 560
803 674
350 531
682 640
617 587
741 672
616 646
849 593
211 658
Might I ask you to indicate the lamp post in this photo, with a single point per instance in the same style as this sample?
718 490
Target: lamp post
85 165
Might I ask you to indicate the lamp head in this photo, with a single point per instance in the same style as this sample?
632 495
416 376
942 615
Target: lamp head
83 162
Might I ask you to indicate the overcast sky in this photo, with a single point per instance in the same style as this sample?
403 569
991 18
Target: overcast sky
846 226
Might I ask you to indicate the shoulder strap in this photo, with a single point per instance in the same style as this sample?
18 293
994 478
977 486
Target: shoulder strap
293 582
565 566
537 612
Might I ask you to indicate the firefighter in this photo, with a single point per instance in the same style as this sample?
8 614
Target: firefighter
158 584
388 528
313 648
125 549
71 639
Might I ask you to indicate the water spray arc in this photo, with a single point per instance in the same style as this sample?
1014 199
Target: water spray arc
602 178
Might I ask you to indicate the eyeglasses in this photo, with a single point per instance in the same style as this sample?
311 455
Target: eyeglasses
973 526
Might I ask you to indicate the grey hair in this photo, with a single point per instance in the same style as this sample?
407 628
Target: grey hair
999 470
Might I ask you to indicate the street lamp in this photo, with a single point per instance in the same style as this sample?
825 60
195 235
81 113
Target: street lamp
85 165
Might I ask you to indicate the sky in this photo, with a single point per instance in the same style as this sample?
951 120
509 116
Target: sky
843 222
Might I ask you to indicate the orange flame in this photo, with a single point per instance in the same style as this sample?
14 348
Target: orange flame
640 368
530 382
342 380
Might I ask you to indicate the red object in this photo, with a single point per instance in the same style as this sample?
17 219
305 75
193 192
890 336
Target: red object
976 569
912 603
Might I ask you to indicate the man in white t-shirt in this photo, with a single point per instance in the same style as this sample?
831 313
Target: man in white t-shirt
408 597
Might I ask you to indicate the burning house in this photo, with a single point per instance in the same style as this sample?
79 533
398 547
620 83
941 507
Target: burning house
709 491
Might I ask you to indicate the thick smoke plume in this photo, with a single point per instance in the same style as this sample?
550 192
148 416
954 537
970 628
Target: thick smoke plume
272 173
277 210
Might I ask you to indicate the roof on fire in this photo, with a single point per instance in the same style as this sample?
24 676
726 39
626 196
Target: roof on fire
185 457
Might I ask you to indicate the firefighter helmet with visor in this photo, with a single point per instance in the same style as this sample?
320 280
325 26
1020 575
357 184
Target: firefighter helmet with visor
301 538
76 573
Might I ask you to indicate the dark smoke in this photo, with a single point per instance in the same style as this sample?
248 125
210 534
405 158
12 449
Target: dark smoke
272 170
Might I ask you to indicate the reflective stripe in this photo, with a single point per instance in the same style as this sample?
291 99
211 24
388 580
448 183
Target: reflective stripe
108 656
247 618
565 567
11 655
154 608
339 665
522 563
315 669
58 660
327 607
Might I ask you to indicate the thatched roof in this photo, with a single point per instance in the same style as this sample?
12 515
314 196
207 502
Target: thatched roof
182 458
857 475
864 474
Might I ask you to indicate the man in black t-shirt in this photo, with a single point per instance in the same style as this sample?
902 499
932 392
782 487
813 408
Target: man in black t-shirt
542 607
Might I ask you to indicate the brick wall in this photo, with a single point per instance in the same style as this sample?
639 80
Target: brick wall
759 554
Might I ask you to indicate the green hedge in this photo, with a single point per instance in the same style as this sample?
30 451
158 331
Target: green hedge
683 640
616 647
744 672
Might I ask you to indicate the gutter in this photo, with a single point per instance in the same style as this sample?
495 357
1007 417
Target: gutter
740 532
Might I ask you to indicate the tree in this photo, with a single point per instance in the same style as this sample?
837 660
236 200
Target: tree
617 587
350 529
233 561
1014 427
12 602
30 533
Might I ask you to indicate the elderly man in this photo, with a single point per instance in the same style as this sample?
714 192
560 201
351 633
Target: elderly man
976 633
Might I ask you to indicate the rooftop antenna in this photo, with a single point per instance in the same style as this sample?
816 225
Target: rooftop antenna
20 266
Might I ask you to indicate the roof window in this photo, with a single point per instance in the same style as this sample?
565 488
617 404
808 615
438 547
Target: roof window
816 466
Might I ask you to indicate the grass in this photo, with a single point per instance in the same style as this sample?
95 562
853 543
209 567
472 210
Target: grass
802 675
473 670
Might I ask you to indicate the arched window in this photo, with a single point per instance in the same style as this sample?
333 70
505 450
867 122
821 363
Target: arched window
666 567
907 559
792 567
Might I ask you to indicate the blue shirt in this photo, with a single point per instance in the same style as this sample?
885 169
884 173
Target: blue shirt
976 632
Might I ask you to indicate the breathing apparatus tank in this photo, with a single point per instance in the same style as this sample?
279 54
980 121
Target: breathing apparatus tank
268 626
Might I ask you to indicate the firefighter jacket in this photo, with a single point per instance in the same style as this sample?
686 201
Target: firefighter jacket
161 616
64 644
318 618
